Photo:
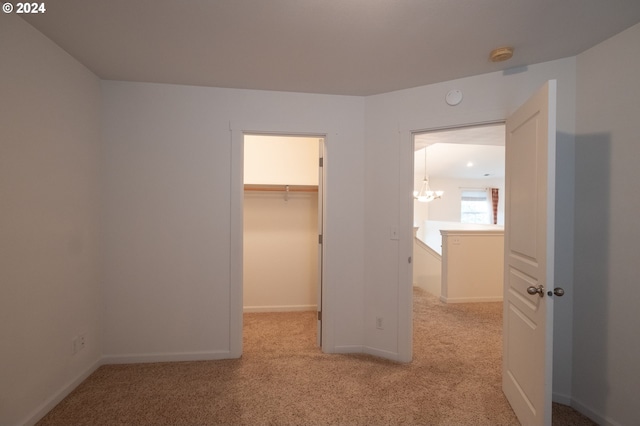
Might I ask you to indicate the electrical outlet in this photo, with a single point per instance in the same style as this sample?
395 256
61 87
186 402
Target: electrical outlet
82 341
379 323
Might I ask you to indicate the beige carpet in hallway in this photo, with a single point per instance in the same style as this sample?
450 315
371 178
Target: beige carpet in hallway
284 379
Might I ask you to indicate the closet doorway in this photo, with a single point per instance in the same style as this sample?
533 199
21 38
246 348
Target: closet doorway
282 224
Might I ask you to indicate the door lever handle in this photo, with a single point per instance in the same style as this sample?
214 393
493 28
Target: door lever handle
536 290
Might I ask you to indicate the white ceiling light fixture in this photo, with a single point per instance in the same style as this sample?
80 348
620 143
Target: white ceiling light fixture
425 194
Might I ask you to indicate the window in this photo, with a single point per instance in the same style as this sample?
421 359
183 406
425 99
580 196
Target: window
475 206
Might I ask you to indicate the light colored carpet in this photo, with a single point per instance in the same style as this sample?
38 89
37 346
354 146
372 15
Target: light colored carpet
284 379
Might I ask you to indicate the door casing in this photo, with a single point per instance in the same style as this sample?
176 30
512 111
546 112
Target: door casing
405 275
237 232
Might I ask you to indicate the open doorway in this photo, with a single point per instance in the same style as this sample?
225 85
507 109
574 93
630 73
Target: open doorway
464 168
532 162
282 257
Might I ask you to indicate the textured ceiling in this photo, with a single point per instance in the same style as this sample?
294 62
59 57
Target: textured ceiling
348 47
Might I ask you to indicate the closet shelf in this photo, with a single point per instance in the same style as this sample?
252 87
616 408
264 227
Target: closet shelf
281 188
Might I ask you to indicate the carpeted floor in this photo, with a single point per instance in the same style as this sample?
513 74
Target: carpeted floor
284 379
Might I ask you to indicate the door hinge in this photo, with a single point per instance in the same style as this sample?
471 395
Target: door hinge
319 315
320 161
320 239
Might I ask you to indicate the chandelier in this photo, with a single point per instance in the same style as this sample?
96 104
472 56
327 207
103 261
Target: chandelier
425 194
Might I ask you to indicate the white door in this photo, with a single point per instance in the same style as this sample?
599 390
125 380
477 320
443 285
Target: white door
320 236
529 242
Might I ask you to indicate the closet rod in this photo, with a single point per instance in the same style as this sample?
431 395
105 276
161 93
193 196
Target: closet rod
281 188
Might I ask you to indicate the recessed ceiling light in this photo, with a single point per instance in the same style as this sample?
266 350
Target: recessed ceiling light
501 54
469 164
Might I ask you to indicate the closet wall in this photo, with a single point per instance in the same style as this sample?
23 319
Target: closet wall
280 226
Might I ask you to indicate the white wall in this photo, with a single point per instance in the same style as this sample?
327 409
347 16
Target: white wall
427 268
169 233
431 232
280 251
49 222
390 119
271 160
606 320
472 266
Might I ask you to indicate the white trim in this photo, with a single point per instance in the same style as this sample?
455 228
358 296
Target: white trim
473 232
348 349
167 357
448 121
405 251
407 132
393 356
470 299
280 308
236 308
236 188
61 394
596 417
326 301
424 246
367 350
561 398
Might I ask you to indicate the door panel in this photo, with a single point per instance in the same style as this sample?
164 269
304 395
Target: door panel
523 190
529 241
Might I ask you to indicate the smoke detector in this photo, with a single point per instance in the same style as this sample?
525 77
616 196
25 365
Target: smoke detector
501 54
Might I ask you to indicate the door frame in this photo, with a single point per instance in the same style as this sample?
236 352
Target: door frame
405 251
236 232
405 341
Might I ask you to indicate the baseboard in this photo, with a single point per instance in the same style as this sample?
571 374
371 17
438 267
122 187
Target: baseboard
470 299
348 349
393 356
561 399
357 349
55 399
167 357
283 308
596 417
